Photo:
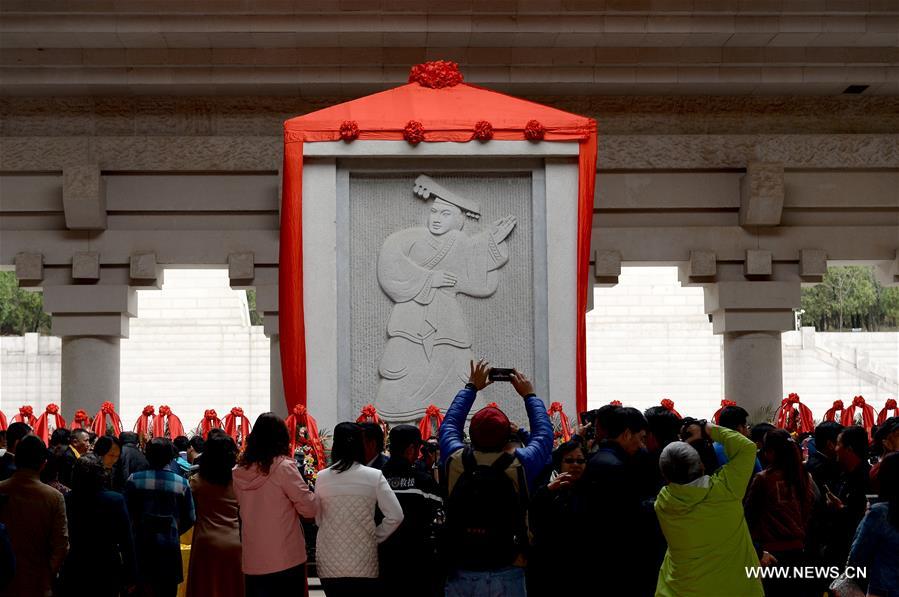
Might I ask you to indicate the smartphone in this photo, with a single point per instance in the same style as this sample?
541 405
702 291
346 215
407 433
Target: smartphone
500 374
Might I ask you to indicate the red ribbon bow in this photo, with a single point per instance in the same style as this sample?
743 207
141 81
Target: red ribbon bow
81 420
210 421
300 419
142 425
784 419
831 413
885 412
99 425
237 425
429 426
668 404
615 403
368 414
167 422
26 415
724 404
564 425
42 427
867 415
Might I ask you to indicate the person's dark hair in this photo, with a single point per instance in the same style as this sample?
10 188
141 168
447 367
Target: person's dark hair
197 443
50 472
14 434
786 457
403 436
564 450
268 440
374 433
104 444
664 425
625 417
888 476
60 437
758 431
159 452
732 417
3 436
31 453
219 457
129 437
601 418
348 446
77 433
215 431
826 431
91 436
88 475
181 442
856 439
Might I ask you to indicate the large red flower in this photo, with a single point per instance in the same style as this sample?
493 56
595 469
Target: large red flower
414 132
483 130
436 74
534 131
349 130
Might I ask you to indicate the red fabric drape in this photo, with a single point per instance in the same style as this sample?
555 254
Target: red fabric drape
806 422
26 415
369 414
867 414
42 427
167 424
99 425
831 414
669 405
884 413
81 420
144 423
430 423
724 404
298 419
455 113
209 421
3 424
564 425
237 425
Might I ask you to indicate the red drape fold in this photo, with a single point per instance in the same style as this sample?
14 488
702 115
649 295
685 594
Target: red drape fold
209 421
299 419
890 405
831 414
431 422
167 424
564 425
81 420
668 404
867 414
144 423
237 425
26 415
42 427
783 418
3 424
99 425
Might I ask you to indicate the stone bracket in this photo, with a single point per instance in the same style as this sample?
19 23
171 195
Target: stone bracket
29 268
762 194
241 267
144 271
84 197
86 266
758 263
752 306
812 265
703 266
606 267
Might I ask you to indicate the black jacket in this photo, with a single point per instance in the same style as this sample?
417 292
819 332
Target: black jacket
66 466
130 461
825 471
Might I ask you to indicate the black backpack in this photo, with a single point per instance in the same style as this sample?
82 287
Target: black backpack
485 515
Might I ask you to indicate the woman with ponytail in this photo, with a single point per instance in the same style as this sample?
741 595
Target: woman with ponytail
778 508
876 544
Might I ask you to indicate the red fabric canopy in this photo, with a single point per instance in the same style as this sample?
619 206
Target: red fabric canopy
449 113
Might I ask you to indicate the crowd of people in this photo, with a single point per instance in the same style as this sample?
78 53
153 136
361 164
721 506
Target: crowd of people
632 503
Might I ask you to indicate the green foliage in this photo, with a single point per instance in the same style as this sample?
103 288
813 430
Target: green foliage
850 297
255 316
21 311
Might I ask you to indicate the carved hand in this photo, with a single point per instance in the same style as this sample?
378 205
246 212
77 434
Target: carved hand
441 278
503 227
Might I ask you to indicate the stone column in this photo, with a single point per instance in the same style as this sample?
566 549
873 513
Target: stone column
753 370
276 382
90 373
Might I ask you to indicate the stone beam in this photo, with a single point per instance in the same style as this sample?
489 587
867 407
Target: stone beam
762 194
84 197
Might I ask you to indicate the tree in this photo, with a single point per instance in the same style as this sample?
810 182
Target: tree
21 311
255 316
851 297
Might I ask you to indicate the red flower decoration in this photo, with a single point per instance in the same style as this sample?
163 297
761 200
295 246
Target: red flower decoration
26 411
414 132
237 411
436 75
81 416
164 411
148 410
349 130
107 408
210 414
52 409
483 130
615 403
534 131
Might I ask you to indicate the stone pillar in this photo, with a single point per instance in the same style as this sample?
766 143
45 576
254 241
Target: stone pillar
753 370
276 382
90 373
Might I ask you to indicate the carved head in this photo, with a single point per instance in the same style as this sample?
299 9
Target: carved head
444 216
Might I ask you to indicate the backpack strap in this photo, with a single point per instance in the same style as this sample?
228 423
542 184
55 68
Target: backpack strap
503 462
469 462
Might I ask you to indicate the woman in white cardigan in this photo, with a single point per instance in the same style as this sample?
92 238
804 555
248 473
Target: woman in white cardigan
347 543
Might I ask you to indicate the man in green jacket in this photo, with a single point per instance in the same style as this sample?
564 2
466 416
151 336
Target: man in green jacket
709 547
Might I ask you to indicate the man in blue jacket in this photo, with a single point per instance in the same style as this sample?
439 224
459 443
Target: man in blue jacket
487 484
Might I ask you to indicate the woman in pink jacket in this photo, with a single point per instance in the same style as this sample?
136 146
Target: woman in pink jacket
272 496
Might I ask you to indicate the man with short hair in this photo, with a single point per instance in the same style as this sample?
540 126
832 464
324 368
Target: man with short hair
14 434
736 419
887 439
131 460
79 445
847 499
373 436
162 509
407 557
822 463
488 487
35 517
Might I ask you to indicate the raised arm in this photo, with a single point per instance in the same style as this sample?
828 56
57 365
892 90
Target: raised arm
740 451
450 434
538 453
